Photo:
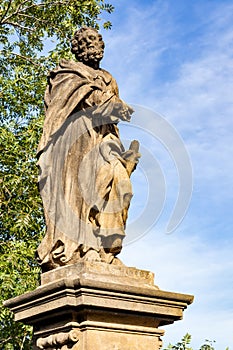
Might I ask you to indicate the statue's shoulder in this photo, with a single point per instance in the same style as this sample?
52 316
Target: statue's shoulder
106 73
70 67
108 77
70 64
110 81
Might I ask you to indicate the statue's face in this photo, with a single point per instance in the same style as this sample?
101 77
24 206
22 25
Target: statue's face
91 46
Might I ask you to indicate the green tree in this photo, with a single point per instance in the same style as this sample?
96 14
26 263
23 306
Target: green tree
186 340
27 29
182 345
208 345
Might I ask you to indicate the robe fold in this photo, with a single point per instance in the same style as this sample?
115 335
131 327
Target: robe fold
83 180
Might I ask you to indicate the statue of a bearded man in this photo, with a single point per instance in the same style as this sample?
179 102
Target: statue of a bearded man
85 172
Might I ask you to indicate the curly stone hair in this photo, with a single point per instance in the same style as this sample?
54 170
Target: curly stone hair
81 54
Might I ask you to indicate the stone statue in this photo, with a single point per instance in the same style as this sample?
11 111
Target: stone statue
84 178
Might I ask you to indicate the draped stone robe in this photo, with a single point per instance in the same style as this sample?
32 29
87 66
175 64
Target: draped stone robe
84 180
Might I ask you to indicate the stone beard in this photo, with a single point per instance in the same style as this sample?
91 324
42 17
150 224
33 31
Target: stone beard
85 172
88 47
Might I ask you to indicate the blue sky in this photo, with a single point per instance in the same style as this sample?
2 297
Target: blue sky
176 58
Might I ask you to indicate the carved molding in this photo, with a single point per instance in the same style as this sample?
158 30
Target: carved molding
160 343
56 341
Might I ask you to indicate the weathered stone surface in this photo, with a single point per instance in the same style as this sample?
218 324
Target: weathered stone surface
59 340
112 312
124 339
85 171
101 272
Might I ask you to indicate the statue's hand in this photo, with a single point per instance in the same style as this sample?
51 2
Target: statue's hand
124 114
132 156
123 111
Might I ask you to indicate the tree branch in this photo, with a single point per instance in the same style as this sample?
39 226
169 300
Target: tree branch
5 340
21 4
8 7
14 13
24 338
17 25
53 3
33 17
26 59
21 11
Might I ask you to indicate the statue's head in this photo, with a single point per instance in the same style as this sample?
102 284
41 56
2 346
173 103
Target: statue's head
88 46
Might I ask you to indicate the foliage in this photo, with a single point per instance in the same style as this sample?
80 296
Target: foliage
28 29
186 340
182 345
208 345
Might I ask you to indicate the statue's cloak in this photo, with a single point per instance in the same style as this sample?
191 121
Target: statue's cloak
83 180
74 86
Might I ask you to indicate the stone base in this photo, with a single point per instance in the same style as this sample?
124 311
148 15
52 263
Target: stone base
98 306
100 271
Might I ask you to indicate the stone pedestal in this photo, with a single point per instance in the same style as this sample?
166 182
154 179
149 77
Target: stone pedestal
97 306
